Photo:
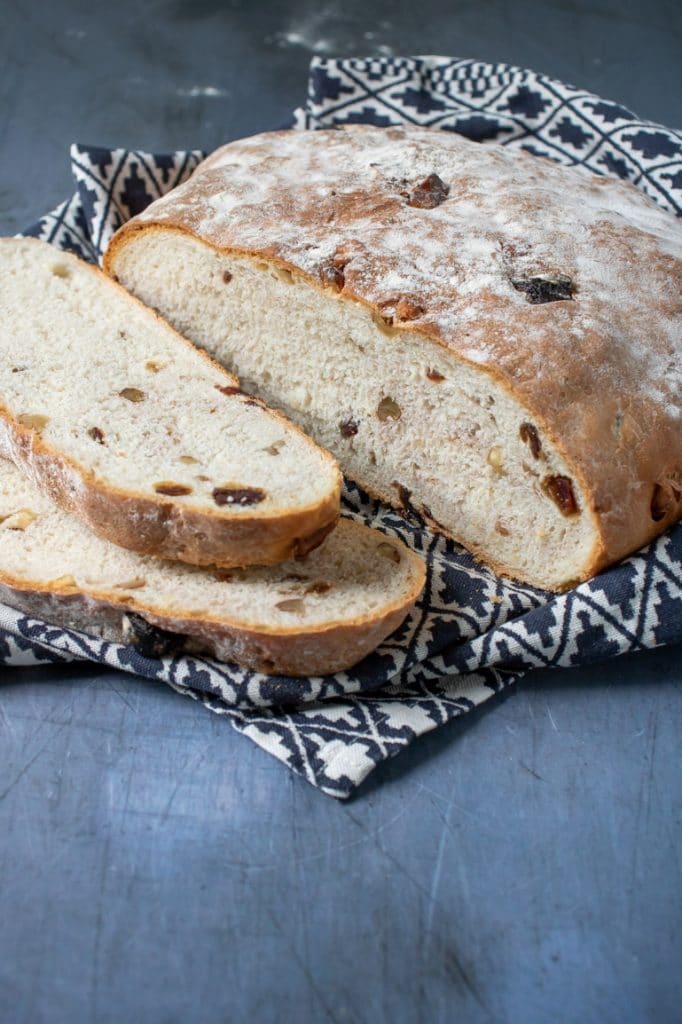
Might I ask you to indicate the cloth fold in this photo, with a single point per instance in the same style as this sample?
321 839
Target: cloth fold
472 633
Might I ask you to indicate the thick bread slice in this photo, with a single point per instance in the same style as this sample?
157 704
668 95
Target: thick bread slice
310 617
478 333
151 443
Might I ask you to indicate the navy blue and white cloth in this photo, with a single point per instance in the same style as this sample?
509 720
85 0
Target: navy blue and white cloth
472 634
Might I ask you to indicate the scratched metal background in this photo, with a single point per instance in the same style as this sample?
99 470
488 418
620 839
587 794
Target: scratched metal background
521 865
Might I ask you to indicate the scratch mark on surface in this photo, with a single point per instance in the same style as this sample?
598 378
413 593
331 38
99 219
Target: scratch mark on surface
196 91
496 833
314 987
643 801
374 837
7 723
438 867
458 973
552 720
119 694
184 769
531 771
22 771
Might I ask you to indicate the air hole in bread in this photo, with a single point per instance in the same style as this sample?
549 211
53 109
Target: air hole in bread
388 409
60 270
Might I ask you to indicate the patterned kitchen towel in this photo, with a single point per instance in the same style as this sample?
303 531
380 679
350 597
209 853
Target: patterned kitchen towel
472 634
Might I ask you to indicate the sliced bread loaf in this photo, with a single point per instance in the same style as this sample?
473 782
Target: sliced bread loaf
479 334
309 617
151 443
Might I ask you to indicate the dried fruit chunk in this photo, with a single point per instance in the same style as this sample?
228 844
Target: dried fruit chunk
435 376
663 500
228 389
229 495
274 448
19 520
541 288
172 489
501 529
405 498
294 605
430 192
304 545
227 276
132 395
560 490
229 575
149 640
529 436
388 409
153 366
319 587
388 551
408 308
332 274
188 460
348 428
96 434
33 421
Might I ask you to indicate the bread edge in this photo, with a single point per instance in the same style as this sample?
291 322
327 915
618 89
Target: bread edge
161 527
318 650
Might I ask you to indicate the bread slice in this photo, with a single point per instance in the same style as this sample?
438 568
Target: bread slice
151 443
310 617
475 333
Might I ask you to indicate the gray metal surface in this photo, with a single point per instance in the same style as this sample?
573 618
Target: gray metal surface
521 865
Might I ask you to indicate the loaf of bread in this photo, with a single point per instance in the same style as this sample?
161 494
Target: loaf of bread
309 617
150 442
477 334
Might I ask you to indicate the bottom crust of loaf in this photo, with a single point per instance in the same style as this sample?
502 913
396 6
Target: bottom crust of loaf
312 653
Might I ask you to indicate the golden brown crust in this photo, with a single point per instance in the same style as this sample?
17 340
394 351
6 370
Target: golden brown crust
292 650
598 374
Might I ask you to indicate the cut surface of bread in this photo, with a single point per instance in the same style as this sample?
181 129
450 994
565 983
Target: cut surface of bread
478 334
149 441
309 617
